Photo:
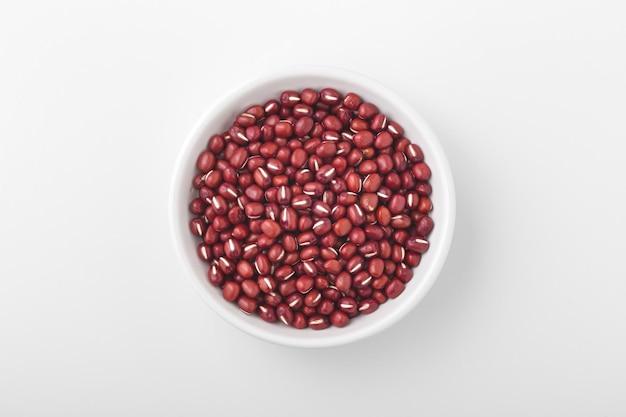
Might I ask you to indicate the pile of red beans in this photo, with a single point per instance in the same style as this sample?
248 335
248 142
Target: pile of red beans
311 209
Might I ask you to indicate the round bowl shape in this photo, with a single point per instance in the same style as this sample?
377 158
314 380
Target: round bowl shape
221 115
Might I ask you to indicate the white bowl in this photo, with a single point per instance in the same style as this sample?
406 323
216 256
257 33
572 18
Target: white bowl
220 116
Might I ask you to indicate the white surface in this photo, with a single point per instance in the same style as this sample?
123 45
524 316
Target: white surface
219 117
527 317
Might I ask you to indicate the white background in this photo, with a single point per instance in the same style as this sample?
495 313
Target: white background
528 316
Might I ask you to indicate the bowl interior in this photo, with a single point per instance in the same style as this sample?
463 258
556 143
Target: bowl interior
219 117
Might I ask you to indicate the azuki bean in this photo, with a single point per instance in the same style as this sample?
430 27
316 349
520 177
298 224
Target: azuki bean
383 140
342 227
369 202
329 96
230 291
318 322
325 307
417 244
197 226
245 269
363 139
305 223
356 215
367 306
304 284
215 275
421 171
394 288
355 201
367 111
397 204
424 226
284 313
357 236
287 287
295 300
267 313
246 304
266 283
206 161
403 272
339 318
312 298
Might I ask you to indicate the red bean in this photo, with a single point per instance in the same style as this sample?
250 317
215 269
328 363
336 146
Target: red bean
284 313
421 171
379 122
424 205
357 236
312 298
383 140
401 221
356 215
367 167
206 161
325 174
342 227
232 249
318 186
287 287
322 226
352 101
267 313
354 182
394 288
305 223
332 122
245 269
216 144
304 284
376 267
417 244
347 305
301 202
289 98
288 219
330 96
333 266
395 129
363 139
318 322
306 239
230 291
355 264
397 204
215 275
204 251
369 202
372 182
403 272
325 307
284 273
424 226
367 111
266 283
303 126
369 249
246 304
197 226
339 318
320 209
368 306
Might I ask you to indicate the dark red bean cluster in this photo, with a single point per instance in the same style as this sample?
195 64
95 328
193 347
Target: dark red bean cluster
312 209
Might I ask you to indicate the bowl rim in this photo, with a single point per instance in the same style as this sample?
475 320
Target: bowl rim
240 321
